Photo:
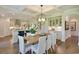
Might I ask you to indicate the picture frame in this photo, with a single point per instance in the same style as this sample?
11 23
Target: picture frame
66 25
73 26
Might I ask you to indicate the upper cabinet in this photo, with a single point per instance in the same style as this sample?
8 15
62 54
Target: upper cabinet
55 21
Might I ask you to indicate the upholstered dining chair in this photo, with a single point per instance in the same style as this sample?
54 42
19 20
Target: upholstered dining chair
41 46
23 48
53 38
49 44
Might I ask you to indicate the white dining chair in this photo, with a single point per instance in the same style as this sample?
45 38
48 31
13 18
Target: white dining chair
41 46
53 38
44 29
49 42
14 36
23 48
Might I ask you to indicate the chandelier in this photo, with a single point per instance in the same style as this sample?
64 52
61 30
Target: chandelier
42 16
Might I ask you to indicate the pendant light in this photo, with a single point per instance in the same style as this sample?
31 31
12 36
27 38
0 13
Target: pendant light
41 17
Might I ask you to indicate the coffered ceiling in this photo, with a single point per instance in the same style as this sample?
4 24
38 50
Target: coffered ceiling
29 12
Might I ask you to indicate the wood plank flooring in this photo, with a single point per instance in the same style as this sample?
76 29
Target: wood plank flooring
70 46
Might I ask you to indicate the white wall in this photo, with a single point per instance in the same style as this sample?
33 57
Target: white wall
78 27
4 28
67 34
75 33
1 30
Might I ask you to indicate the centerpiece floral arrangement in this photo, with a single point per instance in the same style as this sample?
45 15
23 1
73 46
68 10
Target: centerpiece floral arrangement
33 28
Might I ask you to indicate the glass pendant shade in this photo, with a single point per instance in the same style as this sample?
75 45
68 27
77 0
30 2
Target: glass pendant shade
42 16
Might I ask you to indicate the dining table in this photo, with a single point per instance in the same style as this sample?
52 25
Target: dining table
33 39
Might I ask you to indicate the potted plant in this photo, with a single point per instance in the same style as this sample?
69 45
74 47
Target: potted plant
33 29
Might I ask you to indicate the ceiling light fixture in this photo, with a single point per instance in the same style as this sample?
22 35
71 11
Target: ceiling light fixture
41 17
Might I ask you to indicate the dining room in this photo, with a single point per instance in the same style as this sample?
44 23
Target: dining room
39 29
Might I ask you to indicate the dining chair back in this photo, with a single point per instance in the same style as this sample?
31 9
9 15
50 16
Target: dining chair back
41 46
44 29
21 44
49 42
23 47
53 38
42 43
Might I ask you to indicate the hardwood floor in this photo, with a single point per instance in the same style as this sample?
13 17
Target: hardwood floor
70 46
6 47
